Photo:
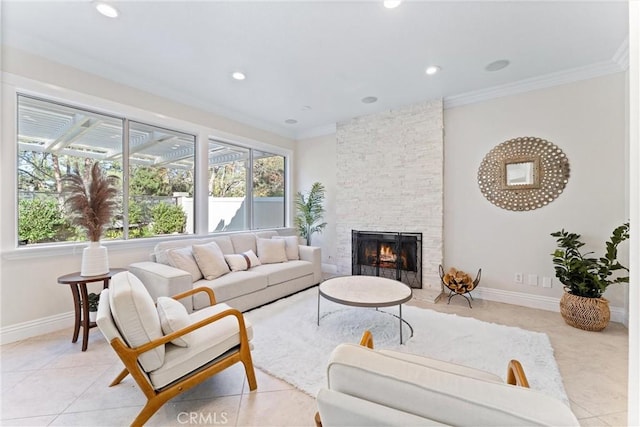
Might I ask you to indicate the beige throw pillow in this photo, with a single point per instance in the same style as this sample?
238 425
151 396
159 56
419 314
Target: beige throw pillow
173 317
252 258
290 246
271 251
183 259
237 262
211 261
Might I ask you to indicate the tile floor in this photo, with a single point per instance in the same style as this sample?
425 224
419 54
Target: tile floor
47 380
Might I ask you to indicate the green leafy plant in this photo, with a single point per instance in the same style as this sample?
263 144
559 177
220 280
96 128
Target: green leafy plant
310 211
39 220
93 300
90 205
168 219
582 274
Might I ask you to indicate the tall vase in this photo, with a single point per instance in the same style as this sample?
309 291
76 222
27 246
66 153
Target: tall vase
95 260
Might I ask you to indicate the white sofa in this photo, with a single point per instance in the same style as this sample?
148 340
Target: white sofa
371 387
174 269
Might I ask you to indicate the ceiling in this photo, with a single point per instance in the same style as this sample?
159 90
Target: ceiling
313 62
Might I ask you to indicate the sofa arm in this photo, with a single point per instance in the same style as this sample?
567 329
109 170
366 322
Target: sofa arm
163 280
314 256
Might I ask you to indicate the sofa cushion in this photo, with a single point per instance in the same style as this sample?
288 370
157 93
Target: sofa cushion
160 250
205 344
290 246
136 317
230 286
283 272
210 260
183 259
173 317
243 242
224 242
271 251
252 258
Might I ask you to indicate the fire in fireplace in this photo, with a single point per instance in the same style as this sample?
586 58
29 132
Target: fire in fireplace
388 254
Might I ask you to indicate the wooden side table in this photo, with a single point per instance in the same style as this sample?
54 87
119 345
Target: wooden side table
78 286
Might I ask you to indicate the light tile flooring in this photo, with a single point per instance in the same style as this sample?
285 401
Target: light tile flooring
47 380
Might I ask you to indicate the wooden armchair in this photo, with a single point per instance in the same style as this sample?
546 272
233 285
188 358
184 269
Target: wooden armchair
385 387
201 344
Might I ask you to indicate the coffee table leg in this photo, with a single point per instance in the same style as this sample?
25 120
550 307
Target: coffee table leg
400 305
318 308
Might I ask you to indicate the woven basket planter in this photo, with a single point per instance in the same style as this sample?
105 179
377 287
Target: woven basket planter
590 314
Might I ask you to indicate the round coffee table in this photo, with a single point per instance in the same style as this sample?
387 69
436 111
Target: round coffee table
366 291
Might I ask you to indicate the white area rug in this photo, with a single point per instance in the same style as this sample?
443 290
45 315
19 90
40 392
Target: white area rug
289 345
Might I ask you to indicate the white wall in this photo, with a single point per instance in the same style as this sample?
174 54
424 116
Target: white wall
587 121
31 302
316 161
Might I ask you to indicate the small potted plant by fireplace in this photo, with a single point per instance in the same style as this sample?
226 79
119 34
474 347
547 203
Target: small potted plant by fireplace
585 278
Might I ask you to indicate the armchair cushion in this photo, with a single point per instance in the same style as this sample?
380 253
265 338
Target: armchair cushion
136 317
205 344
173 317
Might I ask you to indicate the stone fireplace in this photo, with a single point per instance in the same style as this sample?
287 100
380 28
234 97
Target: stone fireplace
390 177
393 255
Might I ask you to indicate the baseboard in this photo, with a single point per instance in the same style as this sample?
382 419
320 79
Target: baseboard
33 328
618 314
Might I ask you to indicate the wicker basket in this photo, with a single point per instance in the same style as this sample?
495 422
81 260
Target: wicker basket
590 314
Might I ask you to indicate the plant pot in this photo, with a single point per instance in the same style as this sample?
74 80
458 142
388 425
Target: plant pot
95 260
590 314
92 316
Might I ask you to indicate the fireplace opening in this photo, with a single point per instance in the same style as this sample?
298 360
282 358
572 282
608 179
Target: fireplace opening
388 254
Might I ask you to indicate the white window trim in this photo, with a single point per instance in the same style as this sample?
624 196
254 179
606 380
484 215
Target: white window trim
13 84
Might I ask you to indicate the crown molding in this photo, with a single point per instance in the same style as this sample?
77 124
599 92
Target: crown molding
540 82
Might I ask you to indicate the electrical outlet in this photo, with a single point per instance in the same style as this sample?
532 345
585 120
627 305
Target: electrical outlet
546 282
532 279
517 278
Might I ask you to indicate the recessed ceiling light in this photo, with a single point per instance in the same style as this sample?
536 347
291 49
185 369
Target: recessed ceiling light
369 99
432 70
107 10
291 121
391 4
306 107
238 75
497 65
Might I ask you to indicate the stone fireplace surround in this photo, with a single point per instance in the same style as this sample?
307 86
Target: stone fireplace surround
390 177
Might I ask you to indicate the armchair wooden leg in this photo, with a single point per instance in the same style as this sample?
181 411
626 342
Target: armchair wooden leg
516 375
249 371
122 375
317 419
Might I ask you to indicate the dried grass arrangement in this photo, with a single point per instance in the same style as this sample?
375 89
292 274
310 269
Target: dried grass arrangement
91 205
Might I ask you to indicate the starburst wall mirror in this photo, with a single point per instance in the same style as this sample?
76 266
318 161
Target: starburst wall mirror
523 174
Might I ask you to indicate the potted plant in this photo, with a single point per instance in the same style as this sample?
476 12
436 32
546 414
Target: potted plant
310 211
91 206
585 278
93 300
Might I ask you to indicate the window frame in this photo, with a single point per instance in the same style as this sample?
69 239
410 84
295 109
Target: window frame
142 112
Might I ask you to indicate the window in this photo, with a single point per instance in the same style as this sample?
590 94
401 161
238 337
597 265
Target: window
268 190
245 194
56 139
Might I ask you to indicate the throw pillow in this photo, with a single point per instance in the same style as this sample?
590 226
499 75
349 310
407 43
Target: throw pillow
173 317
237 262
271 251
210 259
183 259
253 258
290 246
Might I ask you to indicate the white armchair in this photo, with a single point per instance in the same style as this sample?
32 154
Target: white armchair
166 350
371 387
